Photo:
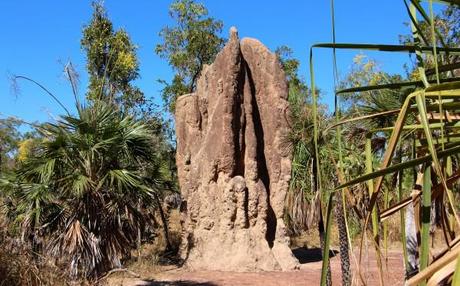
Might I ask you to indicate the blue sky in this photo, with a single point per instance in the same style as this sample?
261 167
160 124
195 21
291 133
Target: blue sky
38 37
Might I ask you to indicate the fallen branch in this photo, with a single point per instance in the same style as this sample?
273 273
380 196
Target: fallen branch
119 270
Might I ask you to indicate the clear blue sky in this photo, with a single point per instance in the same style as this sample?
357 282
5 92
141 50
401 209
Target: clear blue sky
39 36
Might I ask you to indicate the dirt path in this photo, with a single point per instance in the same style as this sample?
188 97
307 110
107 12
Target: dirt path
309 274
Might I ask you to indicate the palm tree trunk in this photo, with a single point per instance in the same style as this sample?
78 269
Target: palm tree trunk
322 235
343 243
412 231
411 242
139 236
165 224
322 241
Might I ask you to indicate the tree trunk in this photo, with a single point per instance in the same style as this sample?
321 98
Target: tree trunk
139 236
322 241
411 242
412 230
343 243
165 224
322 235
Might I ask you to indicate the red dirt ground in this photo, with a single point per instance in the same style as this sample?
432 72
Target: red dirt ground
309 274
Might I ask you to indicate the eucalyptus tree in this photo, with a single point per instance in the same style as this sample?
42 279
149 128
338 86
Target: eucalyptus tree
191 43
111 62
446 34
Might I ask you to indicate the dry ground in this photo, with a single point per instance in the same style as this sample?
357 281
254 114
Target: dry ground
309 274
305 248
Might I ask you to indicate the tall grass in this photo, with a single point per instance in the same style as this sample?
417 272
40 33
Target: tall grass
20 265
423 137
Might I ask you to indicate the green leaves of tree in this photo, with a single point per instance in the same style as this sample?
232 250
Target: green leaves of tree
111 62
84 185
193 42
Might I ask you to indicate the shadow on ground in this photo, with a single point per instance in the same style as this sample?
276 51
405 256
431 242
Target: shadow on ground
176 283
307 255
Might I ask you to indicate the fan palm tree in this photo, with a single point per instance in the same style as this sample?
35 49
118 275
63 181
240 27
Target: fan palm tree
85 193
303 203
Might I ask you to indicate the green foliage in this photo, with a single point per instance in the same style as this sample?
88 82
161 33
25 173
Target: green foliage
193 42
366 72
372 98
303 190
301 123
447 35
111 62
446 23
81 192
9 139
291 68
84 189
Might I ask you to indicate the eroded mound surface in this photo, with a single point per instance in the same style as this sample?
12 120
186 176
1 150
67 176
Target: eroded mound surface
234 162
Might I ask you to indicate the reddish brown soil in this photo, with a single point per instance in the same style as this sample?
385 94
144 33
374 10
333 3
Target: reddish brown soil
309 274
